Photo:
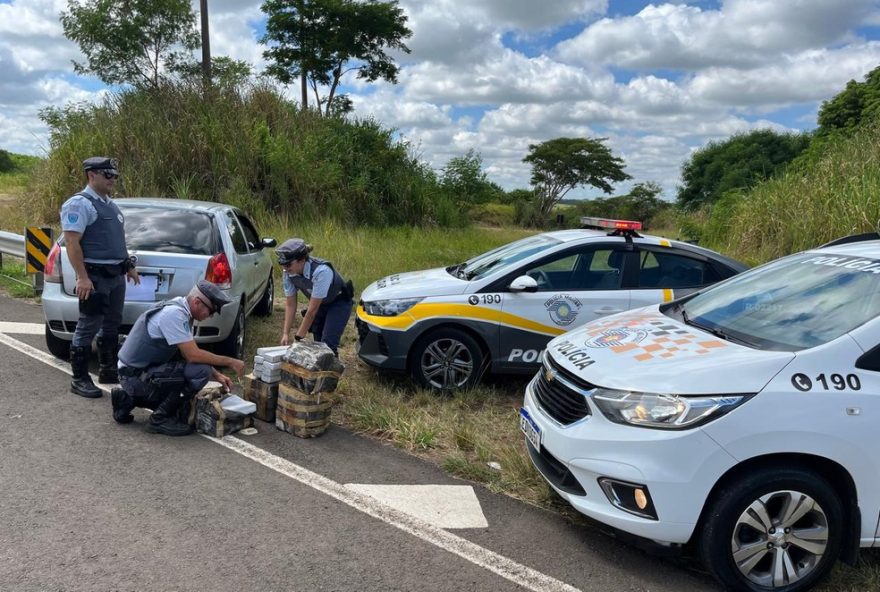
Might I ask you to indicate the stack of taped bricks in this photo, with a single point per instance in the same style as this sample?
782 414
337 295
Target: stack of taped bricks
261 386
309 375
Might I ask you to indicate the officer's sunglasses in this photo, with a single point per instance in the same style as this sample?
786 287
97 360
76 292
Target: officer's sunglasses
109 175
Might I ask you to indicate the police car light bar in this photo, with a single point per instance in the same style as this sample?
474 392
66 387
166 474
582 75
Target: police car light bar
588 221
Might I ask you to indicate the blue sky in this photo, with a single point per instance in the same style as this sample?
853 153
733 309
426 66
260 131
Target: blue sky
658 80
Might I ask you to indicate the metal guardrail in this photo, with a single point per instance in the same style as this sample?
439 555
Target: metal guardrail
11 244
14 245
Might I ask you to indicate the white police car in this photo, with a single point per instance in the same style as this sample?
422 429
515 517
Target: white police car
743 420
499 309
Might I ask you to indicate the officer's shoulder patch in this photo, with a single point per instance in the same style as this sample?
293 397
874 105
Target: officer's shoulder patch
72 217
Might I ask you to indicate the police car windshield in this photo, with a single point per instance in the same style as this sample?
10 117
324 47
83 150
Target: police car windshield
504 257
791 304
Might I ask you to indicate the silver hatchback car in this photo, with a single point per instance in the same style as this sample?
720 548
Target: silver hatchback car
177 243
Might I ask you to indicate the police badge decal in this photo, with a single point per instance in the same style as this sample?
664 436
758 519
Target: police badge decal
563 309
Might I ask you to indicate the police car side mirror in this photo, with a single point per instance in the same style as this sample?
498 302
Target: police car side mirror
268 243
523 283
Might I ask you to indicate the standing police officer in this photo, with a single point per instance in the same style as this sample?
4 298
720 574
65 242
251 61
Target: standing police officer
95 239
149 374
330 296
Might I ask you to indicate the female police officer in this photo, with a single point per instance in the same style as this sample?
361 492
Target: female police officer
329 295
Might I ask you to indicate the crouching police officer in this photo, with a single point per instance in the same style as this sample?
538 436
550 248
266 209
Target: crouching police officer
95 239
329 295
149 375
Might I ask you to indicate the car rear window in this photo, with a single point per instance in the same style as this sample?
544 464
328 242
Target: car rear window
168 230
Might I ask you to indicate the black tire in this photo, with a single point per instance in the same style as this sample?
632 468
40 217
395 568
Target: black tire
60 348
446 360
743 520
233 345
267 302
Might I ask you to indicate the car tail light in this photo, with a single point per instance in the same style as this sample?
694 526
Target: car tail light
52 271
219 272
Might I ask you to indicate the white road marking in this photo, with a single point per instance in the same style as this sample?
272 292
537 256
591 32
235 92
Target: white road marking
444 506
22 328
517 573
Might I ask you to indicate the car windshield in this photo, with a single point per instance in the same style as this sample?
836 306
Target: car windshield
502 258
791 304
168 230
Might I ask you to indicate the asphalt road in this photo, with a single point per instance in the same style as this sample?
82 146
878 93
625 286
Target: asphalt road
86 504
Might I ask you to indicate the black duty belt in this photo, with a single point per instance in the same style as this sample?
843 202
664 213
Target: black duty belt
106 269
130 371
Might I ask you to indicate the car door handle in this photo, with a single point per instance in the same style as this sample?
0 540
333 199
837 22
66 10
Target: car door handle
256 262
607 310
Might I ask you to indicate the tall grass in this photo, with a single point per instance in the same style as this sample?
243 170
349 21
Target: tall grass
366 254
837 194
249 147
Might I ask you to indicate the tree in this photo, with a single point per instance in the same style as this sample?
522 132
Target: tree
6 163
225 71
565 163
320 41
130 41
739 162
464 179
856 103
642 203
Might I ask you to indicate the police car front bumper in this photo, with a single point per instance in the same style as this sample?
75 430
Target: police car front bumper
676 469
380 348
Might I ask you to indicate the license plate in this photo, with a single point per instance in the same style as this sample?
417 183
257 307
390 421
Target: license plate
530 428
145 291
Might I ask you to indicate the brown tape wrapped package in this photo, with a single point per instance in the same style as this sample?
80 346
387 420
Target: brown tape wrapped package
210 418
263 394
309 376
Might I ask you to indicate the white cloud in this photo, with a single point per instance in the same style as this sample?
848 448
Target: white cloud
743 33
735 68
806 77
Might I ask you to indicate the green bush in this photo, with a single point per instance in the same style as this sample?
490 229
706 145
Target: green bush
528 214
248 146
493 214
834 194
6 164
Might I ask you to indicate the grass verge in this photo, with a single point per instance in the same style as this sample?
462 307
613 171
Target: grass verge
13 280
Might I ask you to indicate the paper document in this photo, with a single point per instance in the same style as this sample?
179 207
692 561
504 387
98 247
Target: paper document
143 292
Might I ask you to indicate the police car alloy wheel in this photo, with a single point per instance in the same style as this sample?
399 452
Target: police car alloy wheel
774 529
447 359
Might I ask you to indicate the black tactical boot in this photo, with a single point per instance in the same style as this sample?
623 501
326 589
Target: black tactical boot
107 371
122 405
82 384
164 419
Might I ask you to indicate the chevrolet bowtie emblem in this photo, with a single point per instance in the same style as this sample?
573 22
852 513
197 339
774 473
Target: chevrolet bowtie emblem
550 375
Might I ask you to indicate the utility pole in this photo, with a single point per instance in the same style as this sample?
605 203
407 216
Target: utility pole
206 44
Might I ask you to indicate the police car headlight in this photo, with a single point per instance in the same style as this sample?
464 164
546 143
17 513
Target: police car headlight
390 308
661 411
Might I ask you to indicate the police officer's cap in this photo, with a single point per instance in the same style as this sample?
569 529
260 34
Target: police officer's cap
292 249
101 163
217 296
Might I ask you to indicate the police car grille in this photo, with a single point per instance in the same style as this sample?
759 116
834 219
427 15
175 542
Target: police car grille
561 402
361 329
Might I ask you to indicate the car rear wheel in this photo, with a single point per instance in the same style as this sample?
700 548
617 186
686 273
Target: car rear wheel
267 302
60 348
233 345
447 359
776 530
